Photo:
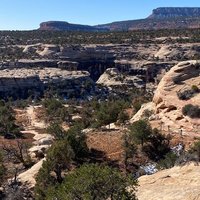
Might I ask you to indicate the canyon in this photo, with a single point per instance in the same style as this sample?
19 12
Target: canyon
84 71
143 65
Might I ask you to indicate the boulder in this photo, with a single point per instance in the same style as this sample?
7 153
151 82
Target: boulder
176 183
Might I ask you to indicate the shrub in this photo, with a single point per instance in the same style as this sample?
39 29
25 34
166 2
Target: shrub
157 146
188 93
93 181
195 149
185 95
122 117
195 88
169 161
140 131
191 111
8 128
108 112
55 110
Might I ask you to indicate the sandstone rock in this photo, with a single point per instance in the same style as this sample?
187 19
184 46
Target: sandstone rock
37 80
166 105
112 77
28 177
46 141
65 26
146 109
180 183
174 12
48 50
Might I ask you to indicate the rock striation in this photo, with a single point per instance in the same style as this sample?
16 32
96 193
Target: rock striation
175 12
112 77
19 82
176 183
167 105
65 26
161 18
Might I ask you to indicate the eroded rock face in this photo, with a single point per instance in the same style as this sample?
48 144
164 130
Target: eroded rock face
18 82
65 26
174 12
161 18
168 106
176 183
112 77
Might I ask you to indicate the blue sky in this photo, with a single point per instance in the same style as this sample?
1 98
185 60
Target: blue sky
27 14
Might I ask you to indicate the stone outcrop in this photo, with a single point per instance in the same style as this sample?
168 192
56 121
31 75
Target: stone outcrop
141 60
112 77
65 26
28 177
161 18
18 82
176 183
141 63
153 24
168 106
174 12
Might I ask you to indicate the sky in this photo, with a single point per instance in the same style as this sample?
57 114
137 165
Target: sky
28 14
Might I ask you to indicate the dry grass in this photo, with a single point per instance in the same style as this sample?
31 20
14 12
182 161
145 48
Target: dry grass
109 142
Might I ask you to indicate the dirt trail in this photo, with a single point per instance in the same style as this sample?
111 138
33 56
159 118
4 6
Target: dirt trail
33 127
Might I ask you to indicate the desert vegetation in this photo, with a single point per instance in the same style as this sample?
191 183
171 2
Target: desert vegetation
79 135
192 111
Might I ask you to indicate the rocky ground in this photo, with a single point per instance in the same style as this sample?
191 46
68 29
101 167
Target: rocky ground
143 65
42 142
176 183
165 111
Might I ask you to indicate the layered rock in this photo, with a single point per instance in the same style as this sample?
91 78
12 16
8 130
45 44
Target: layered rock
161 18
174 12
176 183
65 26
20 81
168 106
112 77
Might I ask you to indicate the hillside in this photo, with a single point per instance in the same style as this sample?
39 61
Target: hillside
176 183
161 18
173 93
65 26
174 12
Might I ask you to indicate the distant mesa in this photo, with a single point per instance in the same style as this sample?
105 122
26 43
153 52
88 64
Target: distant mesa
65 26
161 18
174 12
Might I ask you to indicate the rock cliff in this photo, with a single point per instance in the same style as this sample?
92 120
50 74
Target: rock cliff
23 82
167 104
161 18
65 26
174 12
112 77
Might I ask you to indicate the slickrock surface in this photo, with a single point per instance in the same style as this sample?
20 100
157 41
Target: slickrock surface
42 142
28 177
112 77
25 78
166 107
169 106
177 183
43 74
